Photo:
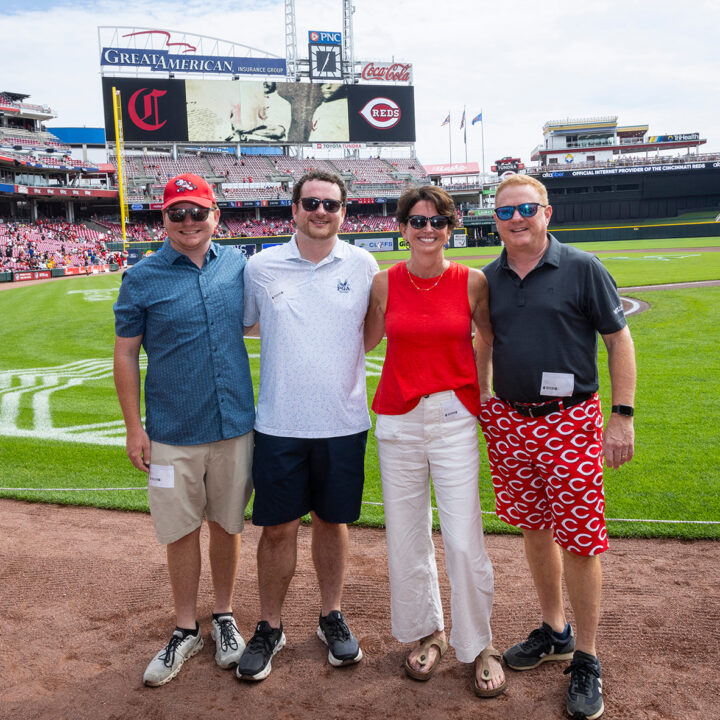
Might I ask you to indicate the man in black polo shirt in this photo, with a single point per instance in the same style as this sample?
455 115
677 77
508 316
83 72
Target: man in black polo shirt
544 426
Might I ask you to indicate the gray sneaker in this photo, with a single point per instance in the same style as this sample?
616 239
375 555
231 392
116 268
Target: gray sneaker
343 647
584 698
229 644
167 663
256 661
539 647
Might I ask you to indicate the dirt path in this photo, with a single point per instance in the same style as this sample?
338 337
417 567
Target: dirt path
85 604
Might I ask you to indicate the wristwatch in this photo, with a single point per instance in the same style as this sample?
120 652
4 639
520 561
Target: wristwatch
628 410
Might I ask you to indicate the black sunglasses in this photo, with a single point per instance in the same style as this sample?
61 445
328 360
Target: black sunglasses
436 221
177 215
526 210
310 204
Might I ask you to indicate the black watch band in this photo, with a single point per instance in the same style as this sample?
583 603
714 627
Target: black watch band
628 410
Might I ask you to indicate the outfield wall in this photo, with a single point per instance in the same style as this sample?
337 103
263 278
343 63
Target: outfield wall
637 232
375 242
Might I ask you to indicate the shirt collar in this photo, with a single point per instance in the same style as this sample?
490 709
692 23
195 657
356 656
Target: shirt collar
339 251
170 255
551 256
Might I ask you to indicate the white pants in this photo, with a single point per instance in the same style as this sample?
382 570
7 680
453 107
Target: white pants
437 438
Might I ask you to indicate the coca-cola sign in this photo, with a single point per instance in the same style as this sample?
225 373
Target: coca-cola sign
387 72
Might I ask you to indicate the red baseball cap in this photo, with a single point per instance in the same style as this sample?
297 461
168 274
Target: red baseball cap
188 188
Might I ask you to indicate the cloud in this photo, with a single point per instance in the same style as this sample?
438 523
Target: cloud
522 62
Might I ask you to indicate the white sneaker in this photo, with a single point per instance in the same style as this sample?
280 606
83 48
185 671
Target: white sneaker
229 643
167 663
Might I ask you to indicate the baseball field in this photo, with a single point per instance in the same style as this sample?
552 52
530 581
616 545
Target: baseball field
84 594
62 436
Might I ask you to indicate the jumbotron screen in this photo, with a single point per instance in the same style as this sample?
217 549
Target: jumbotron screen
222 111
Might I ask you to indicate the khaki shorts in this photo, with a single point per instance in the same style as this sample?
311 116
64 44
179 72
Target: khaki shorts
189 481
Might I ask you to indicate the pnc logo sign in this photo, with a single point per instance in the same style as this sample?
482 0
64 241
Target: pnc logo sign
325 38
143 109
382 113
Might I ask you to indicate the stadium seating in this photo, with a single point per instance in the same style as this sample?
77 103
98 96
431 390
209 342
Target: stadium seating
51 243
235 170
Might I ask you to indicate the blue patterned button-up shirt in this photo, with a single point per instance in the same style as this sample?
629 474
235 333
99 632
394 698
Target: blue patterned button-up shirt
198 387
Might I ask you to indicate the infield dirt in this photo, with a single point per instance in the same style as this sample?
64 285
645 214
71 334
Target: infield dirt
86 603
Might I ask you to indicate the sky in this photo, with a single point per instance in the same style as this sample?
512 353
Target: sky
519 62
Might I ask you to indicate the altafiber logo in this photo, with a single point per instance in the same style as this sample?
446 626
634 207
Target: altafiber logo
382 113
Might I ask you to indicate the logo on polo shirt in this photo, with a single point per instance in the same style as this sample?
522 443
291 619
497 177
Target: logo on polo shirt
343 287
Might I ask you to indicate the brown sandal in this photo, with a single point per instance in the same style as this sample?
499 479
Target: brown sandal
483 658
425 644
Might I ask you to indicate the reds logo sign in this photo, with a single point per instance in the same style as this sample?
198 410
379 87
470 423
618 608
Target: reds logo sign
382 113
149 109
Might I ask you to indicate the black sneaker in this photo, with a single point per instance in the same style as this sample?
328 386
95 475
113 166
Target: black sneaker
584 698
343 645
540 646
255 663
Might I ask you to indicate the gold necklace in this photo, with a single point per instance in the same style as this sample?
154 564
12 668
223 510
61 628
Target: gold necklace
435 284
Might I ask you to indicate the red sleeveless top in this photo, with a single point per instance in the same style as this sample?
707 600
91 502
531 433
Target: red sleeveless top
429 341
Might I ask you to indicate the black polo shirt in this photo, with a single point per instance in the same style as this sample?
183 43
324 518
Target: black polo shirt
546 324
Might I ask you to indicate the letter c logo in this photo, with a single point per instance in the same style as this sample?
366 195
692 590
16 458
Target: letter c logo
150 108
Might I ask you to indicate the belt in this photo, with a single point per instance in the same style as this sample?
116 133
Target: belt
536 411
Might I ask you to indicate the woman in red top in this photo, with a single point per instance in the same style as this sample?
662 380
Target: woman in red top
426 404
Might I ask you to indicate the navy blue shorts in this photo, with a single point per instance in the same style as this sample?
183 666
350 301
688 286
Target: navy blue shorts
293 476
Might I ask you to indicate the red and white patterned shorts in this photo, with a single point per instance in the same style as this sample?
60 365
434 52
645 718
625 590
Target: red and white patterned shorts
547 472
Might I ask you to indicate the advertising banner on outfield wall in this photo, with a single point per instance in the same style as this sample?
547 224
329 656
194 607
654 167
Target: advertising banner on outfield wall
221 111
375 244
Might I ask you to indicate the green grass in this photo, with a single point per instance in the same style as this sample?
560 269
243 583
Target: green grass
627 265
690 217
674 475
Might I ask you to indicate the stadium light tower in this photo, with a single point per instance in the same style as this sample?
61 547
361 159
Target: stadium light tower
347 40
291 40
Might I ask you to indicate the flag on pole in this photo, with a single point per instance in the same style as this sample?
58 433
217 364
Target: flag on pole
462 121
477 118
446 121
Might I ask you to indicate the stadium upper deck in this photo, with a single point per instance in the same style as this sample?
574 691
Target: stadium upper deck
598 171
601 140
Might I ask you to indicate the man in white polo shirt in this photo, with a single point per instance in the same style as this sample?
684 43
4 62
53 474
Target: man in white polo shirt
310 297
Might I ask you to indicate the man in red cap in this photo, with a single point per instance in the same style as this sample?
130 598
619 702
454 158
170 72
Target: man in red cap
184 306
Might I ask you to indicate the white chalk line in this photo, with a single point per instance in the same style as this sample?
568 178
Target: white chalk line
364 502
634 305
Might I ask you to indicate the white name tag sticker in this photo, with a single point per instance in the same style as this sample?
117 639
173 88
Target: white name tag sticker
557 384
161 476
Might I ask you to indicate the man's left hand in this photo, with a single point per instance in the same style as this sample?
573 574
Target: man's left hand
618 440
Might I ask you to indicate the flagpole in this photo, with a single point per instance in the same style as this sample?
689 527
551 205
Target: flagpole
450 136
482 138
465 132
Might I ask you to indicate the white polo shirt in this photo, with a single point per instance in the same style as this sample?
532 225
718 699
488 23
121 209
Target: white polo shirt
312 358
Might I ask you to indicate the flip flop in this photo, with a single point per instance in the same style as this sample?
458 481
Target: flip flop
483 658
425 644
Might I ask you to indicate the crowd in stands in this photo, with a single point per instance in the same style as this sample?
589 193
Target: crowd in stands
249 227
55 243
51 243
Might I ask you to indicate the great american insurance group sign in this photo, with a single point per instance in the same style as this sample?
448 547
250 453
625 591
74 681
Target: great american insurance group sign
166 51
